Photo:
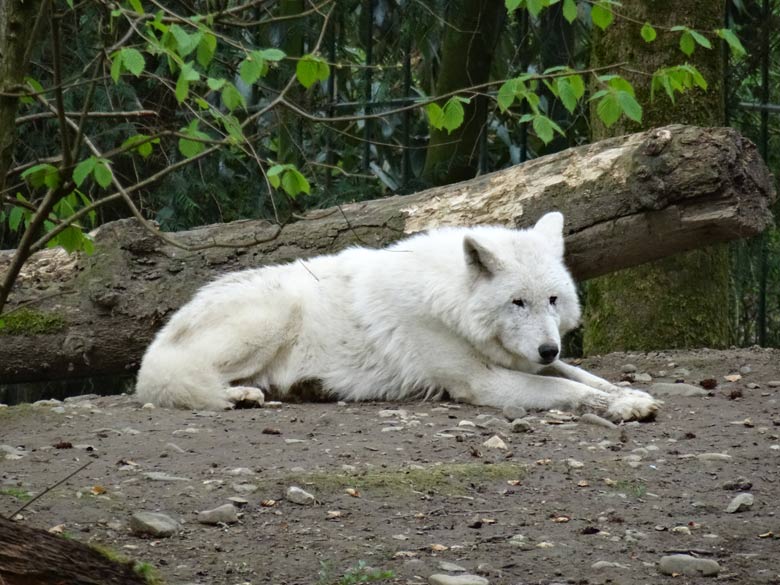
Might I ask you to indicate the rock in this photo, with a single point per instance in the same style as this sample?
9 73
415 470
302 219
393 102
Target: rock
244 488
681 373
574 464
154 524
225 514
161 476
740 503
752 386
713 457
688 565
744 370
465 579
298 496
740 484
238 502
773 383
241 471
628 368
643 377
593 419
600 565
512 412
451 567
665 389
521 426
495 442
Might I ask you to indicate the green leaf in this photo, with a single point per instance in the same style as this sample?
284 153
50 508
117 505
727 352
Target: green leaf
42 175
601 15
630 106
15 217
206 49
83 170
271 54
216 84
233 128
186 43
70 238
273 174
620 84
687 44
543 128
732 40
566 93
36 87
569 10
452 114
512 5
186 75
608 109
116 66
293 183
311 69
190 148
535 7
251 68
141 143
137 6
577 85
102 172
435 115
506 95
232 98
133 61
648 32
701 39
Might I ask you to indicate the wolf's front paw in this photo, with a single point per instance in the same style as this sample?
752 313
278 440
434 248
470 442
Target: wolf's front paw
245 397
632 404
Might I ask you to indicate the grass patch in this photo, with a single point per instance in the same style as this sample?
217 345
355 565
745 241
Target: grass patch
29 322
145 570
447 479
359 573
631 487
18 493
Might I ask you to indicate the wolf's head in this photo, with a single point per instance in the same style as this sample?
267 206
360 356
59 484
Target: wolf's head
523 297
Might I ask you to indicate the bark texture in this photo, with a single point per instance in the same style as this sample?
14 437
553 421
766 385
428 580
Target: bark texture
467 55
626 200
17 21
681 301
29 556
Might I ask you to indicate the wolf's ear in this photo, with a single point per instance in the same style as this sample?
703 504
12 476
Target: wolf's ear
479 258
550 226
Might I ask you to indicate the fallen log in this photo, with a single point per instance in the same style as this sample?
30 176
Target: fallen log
30 556
627 200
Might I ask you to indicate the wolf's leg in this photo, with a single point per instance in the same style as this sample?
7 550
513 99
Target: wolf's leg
564 370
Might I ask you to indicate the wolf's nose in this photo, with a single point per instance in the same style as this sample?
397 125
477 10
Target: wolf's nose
548 352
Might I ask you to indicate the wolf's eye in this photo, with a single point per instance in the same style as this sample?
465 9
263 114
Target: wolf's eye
519 302
553 300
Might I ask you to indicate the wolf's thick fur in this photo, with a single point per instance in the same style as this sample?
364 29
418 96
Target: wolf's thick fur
476 312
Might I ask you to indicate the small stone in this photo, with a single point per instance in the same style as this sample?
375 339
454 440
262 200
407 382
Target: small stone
740 484
225 514
666 389
740 503
238 502
466 423
744 370
599 565
773 383
148 406
732 378
160 476
298 496
521 426
512 412
643 377
713 457
153 523
681 373
681 530
451 567
596 420
465 579
688 565
520 541
574 464
495 442
628 368
244 488
241 471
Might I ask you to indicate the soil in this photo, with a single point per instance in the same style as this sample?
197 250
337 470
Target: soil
403 487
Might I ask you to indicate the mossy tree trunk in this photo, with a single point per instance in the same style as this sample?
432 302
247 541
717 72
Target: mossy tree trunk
681 301
467 55
291 37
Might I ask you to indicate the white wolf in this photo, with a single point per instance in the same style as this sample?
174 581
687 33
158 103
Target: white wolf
476 312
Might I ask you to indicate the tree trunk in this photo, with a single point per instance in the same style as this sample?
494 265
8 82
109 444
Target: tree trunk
681 301
29 556
17 23
626 200
467 54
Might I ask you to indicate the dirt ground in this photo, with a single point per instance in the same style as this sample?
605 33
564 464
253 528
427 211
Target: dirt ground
407 487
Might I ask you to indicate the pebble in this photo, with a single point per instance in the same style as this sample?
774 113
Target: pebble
745 370
512 412
451 567
688 565
681 373
596 420
241 471
521 426
495 442
752 386
773 383
161 476
465 579
244 488
740 503
148 406
153 523
598 565
574 464
225 514
628 368
713 457
174 447
666 389
238 502
740 484
298 496
643 377
681 530
466 423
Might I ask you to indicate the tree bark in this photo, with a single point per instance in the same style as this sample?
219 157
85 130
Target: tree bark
626 200
29 556
467 55
680 301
